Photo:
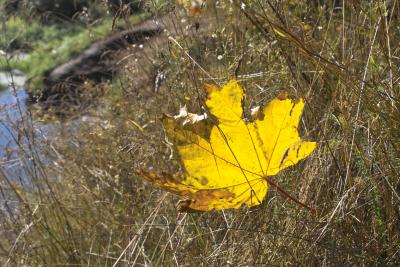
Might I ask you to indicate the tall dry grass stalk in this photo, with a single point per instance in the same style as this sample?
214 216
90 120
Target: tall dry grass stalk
87 208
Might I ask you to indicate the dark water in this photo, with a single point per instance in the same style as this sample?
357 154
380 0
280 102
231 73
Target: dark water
25 154
14 125
12 110
14 164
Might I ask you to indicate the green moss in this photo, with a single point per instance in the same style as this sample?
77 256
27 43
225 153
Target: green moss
52 45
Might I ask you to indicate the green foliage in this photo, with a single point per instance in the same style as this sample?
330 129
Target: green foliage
18 33
52 45
62 11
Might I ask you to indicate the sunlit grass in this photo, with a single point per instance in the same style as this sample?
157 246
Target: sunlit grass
88 208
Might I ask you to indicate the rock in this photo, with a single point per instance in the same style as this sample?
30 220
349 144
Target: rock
12 78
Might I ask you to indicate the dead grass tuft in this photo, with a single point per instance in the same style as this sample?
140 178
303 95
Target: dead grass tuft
89 209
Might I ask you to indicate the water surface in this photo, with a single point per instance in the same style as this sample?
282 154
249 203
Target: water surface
13 125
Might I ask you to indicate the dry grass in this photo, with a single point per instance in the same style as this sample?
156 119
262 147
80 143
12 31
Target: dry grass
89 209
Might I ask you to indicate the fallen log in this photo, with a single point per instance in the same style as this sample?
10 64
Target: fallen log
96 63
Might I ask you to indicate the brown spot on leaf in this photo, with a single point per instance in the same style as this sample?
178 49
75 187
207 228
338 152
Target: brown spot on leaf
184 206
203 200
282 96
284 157
203 180
210 88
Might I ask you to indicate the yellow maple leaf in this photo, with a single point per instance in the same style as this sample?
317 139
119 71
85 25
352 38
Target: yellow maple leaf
228 166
